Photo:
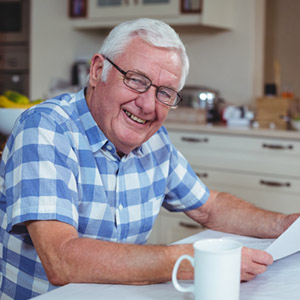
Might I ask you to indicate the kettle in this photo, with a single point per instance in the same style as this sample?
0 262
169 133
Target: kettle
200 97
80 71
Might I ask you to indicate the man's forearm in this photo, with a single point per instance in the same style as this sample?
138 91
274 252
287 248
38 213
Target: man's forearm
68 258
107 262
225 212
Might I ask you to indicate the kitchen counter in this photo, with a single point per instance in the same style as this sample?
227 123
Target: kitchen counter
219 129
237 131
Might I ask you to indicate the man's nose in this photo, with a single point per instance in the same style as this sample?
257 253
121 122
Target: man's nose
147 100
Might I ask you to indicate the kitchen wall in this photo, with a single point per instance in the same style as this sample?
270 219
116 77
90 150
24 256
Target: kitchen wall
230 61
283 43
54 45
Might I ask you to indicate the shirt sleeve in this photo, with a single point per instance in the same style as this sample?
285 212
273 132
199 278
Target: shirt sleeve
41 172
185 191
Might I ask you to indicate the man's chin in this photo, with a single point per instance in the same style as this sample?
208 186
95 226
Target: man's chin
129 145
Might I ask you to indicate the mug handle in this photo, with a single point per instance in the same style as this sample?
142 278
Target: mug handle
174 274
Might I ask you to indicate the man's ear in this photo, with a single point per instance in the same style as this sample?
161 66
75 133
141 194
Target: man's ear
96 69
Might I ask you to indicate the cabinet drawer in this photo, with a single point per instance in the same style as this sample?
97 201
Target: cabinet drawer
257 155
270 192
170 227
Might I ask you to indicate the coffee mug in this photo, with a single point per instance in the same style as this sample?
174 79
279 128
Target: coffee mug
217 270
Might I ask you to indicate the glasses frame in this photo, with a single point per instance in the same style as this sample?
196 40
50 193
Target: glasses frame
124 73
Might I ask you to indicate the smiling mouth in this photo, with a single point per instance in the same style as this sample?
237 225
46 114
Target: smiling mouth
134 118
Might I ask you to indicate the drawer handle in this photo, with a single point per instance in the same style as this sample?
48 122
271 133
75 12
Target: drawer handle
278 147
189 225
194 140
275 184
202 175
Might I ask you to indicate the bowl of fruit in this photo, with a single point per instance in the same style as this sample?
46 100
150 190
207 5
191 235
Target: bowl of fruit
12 104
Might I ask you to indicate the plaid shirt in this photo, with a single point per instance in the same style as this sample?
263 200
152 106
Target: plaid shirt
58 165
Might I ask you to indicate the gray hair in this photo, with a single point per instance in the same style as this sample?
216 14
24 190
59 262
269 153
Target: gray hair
155 32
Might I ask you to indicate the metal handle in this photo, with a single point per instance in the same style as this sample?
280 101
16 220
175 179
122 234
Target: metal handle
194 140
277 147
202 175
189 225
275 184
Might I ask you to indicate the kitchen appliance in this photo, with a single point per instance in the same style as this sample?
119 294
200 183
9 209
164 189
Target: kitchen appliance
14 21
14 69
200 97
80 71
14 45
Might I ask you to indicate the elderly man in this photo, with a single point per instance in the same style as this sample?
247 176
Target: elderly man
83 177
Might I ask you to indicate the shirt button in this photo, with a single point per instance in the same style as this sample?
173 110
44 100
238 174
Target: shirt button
120 207
109 147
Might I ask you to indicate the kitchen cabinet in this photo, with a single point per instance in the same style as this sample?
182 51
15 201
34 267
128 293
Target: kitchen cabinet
108 13
102 9
260 168
170 227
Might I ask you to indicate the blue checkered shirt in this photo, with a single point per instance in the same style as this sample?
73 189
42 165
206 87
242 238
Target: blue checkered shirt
58 165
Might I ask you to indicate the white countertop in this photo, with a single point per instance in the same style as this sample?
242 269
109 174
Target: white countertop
281 281
239 131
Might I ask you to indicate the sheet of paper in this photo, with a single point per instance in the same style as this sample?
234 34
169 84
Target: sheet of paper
250 242
246 241
287 243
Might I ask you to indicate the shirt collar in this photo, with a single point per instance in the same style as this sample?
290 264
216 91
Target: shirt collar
95 136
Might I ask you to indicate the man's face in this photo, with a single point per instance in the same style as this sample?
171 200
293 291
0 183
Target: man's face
126 117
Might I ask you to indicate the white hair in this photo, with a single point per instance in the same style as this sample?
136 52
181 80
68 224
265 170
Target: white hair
154 32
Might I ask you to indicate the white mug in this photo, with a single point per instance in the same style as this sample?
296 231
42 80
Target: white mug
217 270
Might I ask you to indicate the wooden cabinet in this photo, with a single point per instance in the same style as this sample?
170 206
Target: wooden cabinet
108 13
260 169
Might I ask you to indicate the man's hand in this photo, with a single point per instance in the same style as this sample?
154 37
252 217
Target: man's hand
254 262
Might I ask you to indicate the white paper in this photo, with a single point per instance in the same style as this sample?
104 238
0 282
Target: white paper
255 243
287 243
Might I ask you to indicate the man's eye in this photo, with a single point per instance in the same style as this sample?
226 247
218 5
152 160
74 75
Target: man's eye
137 81
164 94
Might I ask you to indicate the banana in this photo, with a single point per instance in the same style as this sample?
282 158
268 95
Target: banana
16 97
36 101
6 103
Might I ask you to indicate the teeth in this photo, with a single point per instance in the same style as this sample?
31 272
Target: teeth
134 118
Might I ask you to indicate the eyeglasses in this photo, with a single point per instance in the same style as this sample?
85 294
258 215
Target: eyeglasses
141 84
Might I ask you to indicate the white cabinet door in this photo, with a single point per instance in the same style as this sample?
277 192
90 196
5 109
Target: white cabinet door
171 227
238 153
131 8
108 13
276 193
262 171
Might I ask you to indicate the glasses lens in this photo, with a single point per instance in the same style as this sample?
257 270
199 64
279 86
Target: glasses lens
167 96
137 81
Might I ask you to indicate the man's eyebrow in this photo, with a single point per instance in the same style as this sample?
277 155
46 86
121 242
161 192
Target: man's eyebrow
142 73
